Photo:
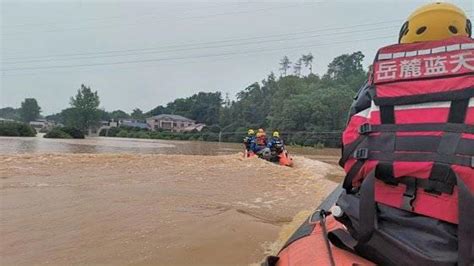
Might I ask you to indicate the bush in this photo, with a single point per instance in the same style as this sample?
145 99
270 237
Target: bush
43 130
111 132
15 129
57 133
8 130
311 141
143 135
65 133
211 137
214 129
236 136
194 137
166 136
132 132
122 134
73 132
26 130
154 135
319 145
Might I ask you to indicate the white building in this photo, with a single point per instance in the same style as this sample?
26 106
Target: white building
173 123
42 124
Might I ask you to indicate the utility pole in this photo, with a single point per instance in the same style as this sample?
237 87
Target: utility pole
222 129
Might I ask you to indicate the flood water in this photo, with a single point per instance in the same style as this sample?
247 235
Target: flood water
14 145
98 145
113 201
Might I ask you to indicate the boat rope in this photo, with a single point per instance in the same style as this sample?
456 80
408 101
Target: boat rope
322 222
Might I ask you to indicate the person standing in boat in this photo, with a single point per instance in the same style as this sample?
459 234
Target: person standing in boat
261 140
249 142
275 145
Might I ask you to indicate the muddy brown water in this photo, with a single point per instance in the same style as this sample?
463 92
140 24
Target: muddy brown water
144 202
14 145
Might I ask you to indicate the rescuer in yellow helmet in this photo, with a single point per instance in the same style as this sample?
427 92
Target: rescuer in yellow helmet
249 140
430 22
435 21
275 145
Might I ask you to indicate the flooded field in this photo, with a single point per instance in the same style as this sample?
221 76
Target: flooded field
113 201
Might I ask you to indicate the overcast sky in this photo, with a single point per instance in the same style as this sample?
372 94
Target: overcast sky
143 54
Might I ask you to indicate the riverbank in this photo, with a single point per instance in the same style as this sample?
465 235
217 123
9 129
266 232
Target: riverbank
150 209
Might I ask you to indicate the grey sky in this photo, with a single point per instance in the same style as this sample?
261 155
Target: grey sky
142 54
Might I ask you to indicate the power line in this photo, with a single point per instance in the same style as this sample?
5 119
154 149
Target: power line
183 18
177 48
209 42
161 20
152 14
222 58
263 49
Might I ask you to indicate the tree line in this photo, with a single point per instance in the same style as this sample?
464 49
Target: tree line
305 108
29 111
293 103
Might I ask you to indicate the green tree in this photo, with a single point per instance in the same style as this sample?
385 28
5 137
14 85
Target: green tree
180 106
308 61
157 111
70 117
285 64
299 113
335 103
118 114
86 108
29 110
103 115
16 129
204 107
297 67
301 107
122 134
10 113
137 114
226 117
345 66
252 106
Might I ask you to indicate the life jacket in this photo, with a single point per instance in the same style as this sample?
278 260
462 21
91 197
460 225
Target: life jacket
276 145
413 148
261 141
248 142
409 156
419 130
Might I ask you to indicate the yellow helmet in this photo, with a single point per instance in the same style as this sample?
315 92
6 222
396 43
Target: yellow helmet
435 21
276 134
251 132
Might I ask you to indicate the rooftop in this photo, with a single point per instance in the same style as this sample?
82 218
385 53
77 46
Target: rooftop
171 117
